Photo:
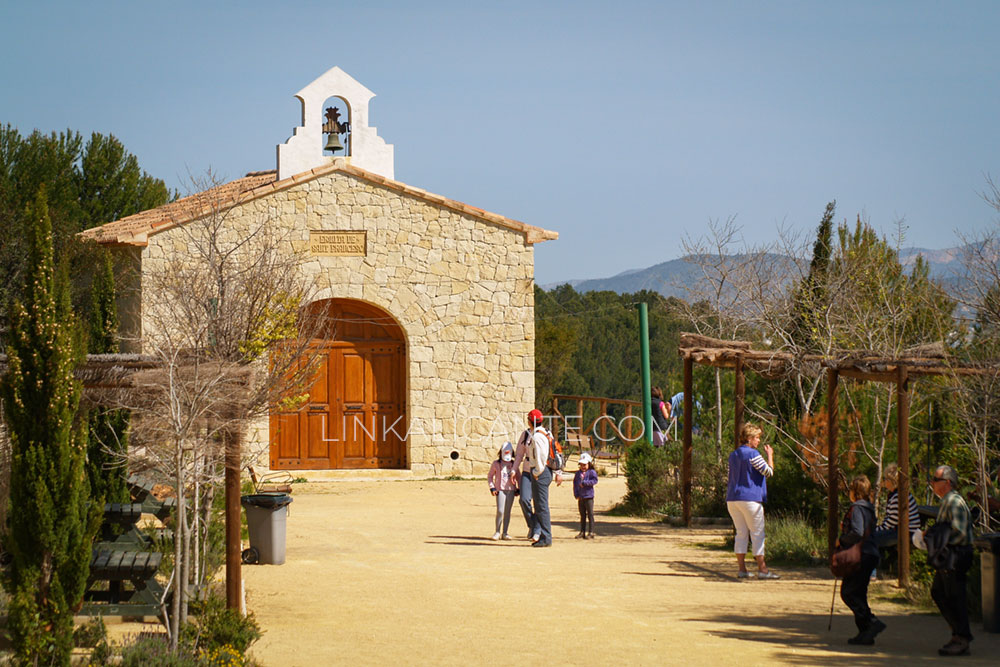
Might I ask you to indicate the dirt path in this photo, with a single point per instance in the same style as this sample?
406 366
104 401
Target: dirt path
403 572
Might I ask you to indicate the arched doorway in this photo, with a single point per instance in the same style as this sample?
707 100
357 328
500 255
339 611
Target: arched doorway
355 416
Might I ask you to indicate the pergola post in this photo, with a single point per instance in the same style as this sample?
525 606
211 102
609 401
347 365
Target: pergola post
833 512
234 583
903 486
686 457
739 402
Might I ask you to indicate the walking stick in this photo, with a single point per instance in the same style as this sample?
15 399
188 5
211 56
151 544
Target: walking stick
829 626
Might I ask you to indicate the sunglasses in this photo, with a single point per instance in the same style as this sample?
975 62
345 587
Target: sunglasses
939 479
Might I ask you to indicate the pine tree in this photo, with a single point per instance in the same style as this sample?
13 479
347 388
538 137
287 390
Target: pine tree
51 522
107 436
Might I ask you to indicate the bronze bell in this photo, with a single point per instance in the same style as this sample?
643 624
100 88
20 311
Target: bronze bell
333 143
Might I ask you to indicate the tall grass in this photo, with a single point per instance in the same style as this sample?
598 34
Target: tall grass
790 540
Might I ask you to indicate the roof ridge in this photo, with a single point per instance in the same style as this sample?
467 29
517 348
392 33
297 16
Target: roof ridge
135 229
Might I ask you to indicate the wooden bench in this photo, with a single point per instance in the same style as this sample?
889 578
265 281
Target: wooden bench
124 514
575 440
115 565
611 451
585 443
926 513
138 568
124 558
142 492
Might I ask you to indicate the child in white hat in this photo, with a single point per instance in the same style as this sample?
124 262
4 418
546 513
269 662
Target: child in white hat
584 482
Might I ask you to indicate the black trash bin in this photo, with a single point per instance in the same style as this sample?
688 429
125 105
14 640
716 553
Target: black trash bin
266 514
989 547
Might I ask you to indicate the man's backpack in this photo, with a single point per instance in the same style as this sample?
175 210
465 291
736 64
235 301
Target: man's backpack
555 460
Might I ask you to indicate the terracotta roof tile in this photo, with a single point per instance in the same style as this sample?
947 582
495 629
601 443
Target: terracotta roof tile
134 229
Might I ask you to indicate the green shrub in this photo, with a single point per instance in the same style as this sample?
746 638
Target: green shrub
225 656
94 635
791 492
792 540
90 634
653 480
920 571
217 627
101 654
154 651
708 485
647 470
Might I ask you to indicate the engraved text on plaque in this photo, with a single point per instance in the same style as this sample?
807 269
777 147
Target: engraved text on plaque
337 244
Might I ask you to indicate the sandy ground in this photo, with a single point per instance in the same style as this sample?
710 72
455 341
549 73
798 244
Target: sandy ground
398 572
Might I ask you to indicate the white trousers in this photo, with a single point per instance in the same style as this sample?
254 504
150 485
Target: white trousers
748 517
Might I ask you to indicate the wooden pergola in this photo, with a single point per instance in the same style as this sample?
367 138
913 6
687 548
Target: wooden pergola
739 356
104 373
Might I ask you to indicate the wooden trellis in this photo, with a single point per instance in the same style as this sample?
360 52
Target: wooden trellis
739 356
102 374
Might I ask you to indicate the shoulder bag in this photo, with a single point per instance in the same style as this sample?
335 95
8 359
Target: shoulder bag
846 561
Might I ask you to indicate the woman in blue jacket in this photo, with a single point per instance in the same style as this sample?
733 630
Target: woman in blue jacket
746 495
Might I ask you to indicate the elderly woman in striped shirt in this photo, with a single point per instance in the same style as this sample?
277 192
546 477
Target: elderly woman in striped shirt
746 495
886 532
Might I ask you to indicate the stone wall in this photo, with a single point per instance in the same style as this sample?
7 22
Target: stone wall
460 287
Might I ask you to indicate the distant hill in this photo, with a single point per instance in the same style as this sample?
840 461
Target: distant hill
944 264
663 278
667 278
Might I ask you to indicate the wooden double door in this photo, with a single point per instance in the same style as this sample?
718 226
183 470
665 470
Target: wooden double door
355 416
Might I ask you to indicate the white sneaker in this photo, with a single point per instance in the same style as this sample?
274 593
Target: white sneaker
506 537
496 536
536 537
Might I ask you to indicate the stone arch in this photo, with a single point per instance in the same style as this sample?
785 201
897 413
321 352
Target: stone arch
355 415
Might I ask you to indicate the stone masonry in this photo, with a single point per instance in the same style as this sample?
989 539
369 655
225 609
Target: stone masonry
459 285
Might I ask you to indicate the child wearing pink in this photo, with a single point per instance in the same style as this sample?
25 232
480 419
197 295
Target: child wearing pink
502 479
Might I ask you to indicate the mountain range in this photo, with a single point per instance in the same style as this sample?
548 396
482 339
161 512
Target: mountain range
668 277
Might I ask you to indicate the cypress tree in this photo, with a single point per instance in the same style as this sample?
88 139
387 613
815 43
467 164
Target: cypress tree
51 522
107 436
812 292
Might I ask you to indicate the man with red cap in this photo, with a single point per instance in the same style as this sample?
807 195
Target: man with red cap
533 450
523 463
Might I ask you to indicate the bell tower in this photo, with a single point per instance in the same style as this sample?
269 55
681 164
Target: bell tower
304 149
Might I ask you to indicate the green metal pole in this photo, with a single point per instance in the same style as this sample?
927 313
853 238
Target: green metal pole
647 401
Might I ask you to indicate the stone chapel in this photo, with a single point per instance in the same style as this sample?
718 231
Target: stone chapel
436 298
